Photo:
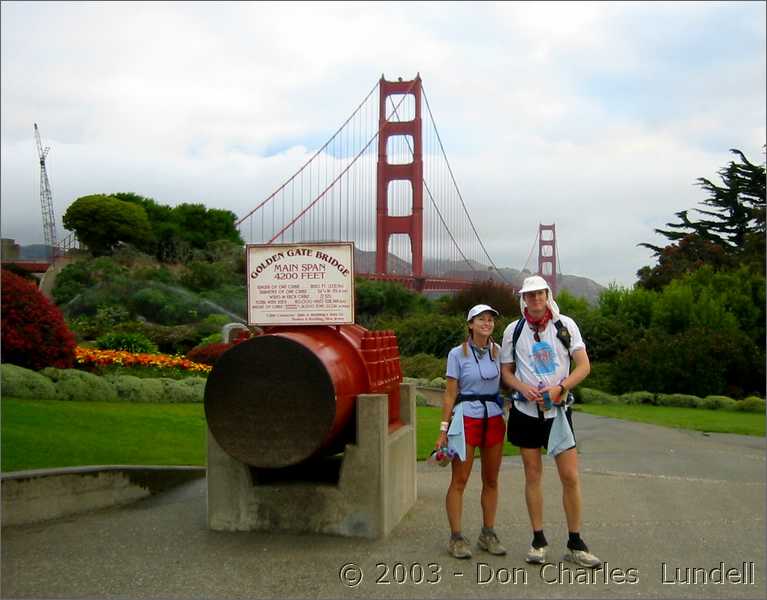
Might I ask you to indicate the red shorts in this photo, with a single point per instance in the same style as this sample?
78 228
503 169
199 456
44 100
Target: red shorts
494 433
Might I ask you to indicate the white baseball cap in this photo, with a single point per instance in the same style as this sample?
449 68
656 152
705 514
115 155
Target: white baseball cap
533 284
478 309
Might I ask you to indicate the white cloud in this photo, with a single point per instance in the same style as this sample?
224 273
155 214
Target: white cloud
598 116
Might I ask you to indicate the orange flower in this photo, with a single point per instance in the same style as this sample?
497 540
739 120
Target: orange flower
94 357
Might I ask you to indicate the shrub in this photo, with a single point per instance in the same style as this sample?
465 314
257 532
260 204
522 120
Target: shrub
438 382
423 366
179 391
698 361
373 298
161 307
212 324
683 400
135 389
717 403
153 390
98 282
208 354
156 390
213 338
416 381
203 275
590 396
428 334
130 342
171 340
751 404
637 398
154 273
90 327
18 382
231 298
144 372
196 385
600 377
574 307
498 295
71 281
605 337
80 386
109 292
34 332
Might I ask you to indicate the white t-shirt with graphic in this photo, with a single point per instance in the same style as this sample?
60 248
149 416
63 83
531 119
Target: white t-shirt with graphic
541 363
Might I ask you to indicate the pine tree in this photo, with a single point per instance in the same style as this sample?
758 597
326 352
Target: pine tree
738 214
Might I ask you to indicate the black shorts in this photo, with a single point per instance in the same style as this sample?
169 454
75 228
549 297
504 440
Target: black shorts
525 431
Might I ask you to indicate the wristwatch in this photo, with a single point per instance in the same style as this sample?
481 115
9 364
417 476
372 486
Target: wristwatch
563 390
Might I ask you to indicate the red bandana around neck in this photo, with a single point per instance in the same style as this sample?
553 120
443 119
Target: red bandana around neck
539 324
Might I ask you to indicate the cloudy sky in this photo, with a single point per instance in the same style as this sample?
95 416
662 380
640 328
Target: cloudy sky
596 116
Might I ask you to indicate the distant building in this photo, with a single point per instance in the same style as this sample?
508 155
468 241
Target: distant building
9 249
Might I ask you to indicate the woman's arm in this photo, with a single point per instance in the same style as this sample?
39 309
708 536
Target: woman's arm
448 401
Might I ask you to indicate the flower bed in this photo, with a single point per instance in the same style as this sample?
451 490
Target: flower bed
92 358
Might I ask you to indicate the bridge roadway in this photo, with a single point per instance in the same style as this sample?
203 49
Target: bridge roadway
652 497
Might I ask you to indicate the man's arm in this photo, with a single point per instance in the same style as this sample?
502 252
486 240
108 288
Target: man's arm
578 374
529 392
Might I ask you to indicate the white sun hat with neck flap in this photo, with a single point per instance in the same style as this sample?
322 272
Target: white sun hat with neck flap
479 309
535 283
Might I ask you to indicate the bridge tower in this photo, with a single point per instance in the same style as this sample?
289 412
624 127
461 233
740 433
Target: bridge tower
547 255
412 224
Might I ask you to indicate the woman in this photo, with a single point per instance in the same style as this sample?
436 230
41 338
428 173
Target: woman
471 396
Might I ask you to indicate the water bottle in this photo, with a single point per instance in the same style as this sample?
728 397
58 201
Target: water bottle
546 398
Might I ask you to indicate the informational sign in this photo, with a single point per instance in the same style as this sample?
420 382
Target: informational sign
300 284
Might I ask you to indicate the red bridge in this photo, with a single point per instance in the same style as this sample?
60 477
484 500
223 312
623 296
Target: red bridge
387 155
420 233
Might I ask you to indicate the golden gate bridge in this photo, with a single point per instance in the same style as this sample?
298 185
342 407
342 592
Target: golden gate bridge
389 155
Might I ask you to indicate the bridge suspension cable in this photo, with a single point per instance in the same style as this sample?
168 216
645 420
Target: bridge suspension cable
315 155
532 249
331 184
332 197
458 191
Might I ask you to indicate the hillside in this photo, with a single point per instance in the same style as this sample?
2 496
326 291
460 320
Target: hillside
581 287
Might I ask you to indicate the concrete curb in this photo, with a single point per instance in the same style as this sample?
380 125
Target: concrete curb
43 494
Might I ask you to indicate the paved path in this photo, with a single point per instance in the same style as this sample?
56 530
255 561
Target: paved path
652 497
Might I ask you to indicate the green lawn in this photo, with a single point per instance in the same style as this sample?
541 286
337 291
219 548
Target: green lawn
48 434
724 421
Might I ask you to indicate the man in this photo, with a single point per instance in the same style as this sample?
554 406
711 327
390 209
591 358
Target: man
537 367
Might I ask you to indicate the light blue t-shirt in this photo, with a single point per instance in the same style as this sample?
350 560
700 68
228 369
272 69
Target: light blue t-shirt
478 373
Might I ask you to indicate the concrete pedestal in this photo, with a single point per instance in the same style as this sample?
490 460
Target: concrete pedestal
375 489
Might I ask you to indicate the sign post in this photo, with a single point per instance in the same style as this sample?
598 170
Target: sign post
300 284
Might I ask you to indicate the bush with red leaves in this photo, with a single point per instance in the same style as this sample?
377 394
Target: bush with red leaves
34 334
209 353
